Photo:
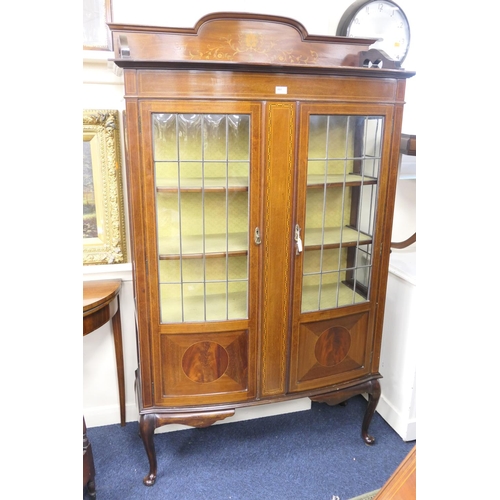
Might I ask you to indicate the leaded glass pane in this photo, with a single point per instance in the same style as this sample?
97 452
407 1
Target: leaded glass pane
202 170
342 186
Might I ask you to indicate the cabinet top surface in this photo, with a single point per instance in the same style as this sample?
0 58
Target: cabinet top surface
238 41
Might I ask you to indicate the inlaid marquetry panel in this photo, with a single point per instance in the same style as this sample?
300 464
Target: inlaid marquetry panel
329 351
333 346
205 362
277 239
205 366
252 39
224 85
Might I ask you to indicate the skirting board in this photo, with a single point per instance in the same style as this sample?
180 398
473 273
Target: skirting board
405 426
110 415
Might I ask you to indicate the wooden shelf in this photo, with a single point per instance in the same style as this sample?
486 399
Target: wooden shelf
192 246
313 238
213 184
318 180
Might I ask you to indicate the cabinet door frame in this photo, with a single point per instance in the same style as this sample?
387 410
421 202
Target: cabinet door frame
151 307
382 233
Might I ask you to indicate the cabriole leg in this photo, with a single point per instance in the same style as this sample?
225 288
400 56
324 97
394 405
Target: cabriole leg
147 425
373 397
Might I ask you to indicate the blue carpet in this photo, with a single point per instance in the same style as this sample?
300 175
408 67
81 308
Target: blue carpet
307 455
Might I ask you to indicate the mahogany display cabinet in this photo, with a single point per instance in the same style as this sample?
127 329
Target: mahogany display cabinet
261 169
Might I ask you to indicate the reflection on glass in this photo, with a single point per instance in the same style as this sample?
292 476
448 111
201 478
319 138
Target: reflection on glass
95 31
342 184
202 168
89 208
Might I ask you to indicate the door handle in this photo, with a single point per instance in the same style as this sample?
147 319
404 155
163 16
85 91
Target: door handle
256 236
298 240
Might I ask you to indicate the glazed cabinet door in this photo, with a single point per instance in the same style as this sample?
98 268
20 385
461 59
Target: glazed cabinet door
201 178
344 154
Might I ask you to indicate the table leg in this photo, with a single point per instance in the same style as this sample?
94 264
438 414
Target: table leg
117 334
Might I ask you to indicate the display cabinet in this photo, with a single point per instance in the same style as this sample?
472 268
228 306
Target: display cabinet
261 170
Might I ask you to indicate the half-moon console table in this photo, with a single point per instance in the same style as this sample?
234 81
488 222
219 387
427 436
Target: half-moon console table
101 303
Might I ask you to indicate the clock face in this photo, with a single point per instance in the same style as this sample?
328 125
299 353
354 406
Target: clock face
385 21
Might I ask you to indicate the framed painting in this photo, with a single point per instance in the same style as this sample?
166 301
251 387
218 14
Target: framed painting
96 34
103 208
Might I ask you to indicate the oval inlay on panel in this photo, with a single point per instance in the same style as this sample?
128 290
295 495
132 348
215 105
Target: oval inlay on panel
333 345
205 362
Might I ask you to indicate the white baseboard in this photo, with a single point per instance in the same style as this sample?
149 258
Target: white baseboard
404 425
109 415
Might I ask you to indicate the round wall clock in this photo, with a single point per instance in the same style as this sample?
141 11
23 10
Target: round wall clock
381 19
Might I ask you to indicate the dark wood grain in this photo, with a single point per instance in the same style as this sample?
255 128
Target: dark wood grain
88 464
402 485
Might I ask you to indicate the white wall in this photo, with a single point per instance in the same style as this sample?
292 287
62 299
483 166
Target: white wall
398 354
102 89
398 358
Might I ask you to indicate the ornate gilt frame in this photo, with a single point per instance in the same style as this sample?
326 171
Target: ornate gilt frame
101 129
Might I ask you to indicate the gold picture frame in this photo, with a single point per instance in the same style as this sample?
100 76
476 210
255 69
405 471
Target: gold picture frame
104 237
